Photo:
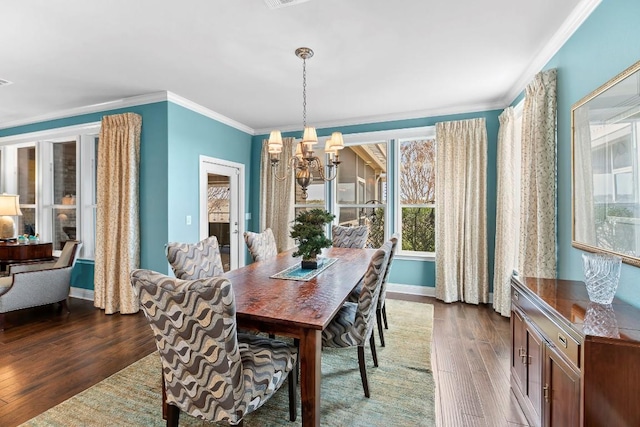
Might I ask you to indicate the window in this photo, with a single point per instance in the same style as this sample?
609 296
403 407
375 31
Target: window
360 190
417 178
54 172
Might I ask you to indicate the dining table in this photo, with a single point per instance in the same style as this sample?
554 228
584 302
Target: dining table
300 309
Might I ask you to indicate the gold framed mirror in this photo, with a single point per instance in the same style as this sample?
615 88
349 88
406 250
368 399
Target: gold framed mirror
605 148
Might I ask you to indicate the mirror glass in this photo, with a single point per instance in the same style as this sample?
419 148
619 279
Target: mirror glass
606 168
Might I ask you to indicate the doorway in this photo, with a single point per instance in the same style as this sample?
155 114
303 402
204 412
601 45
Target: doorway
222 208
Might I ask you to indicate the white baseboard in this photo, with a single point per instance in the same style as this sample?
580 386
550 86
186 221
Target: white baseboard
427 291
81 293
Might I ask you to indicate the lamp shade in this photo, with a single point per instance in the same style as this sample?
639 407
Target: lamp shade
10 205
309 137
336 141
329 148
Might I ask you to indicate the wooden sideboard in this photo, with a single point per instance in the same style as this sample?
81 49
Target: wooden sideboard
13 252
573 362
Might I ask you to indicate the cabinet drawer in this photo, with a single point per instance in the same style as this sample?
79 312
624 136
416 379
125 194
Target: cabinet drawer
553 333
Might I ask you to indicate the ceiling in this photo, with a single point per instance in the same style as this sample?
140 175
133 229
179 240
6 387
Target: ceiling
374 60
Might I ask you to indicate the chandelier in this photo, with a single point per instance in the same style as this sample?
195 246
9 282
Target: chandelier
304 163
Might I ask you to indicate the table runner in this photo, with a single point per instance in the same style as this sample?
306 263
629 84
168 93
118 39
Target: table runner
296 272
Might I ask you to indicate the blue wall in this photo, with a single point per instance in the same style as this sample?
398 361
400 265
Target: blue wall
408 272
191 135
171 141
606 44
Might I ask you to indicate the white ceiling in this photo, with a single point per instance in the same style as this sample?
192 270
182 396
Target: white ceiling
374 59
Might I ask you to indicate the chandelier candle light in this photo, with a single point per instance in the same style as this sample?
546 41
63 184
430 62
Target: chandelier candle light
304 161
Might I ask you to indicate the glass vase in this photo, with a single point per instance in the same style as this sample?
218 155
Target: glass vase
601 275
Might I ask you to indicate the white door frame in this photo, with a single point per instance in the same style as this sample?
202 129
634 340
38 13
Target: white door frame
211 165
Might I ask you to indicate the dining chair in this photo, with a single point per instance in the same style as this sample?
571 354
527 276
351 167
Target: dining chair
262 246
209 370
352 326
195 261
381 309
349 237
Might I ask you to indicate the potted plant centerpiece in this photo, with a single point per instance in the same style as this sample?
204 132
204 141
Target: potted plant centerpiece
308 232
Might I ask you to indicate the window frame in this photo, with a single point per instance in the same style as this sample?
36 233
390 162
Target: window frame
85 178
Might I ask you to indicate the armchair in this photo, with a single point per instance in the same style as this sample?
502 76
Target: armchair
35 284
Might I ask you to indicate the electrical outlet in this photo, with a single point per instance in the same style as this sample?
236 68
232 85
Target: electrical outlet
188 219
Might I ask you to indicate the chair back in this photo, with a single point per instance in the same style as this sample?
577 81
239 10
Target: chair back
383 286
262 246
349 237
371 283
194 323
195 261
69 254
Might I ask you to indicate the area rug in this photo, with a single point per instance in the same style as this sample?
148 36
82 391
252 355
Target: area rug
402 387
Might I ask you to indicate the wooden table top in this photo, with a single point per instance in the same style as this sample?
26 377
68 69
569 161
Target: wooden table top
311 304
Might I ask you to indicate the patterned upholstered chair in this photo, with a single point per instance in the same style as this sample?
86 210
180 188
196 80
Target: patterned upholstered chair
352 326
195 261
349 237
209 370
262 246
381 310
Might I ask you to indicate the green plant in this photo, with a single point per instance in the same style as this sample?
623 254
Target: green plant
308 232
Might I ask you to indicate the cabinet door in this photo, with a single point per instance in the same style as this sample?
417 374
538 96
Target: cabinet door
518 350
534 370
561 391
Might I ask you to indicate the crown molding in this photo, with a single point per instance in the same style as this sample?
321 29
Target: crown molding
577 17
418 114
184 102
88 109
131 102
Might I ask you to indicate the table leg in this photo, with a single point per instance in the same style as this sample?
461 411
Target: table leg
310 353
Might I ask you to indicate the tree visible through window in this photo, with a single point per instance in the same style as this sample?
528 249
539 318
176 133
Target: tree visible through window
417 194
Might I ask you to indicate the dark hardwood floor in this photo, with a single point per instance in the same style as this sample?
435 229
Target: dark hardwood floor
47 356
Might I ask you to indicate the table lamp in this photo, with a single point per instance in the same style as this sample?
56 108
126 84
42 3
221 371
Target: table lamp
9 207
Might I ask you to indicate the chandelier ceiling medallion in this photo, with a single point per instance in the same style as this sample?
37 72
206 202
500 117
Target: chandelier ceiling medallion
305 162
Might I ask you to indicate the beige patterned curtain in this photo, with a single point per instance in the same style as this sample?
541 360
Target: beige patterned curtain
117 222
537 255
461 192
277 197
507 211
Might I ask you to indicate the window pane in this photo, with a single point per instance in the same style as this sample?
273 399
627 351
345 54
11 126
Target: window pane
27 175
362 181
417 172
417 187
64 173
26 223
418 229
64 227
362 174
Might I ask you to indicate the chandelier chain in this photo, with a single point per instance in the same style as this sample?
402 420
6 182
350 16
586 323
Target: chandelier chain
304 92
